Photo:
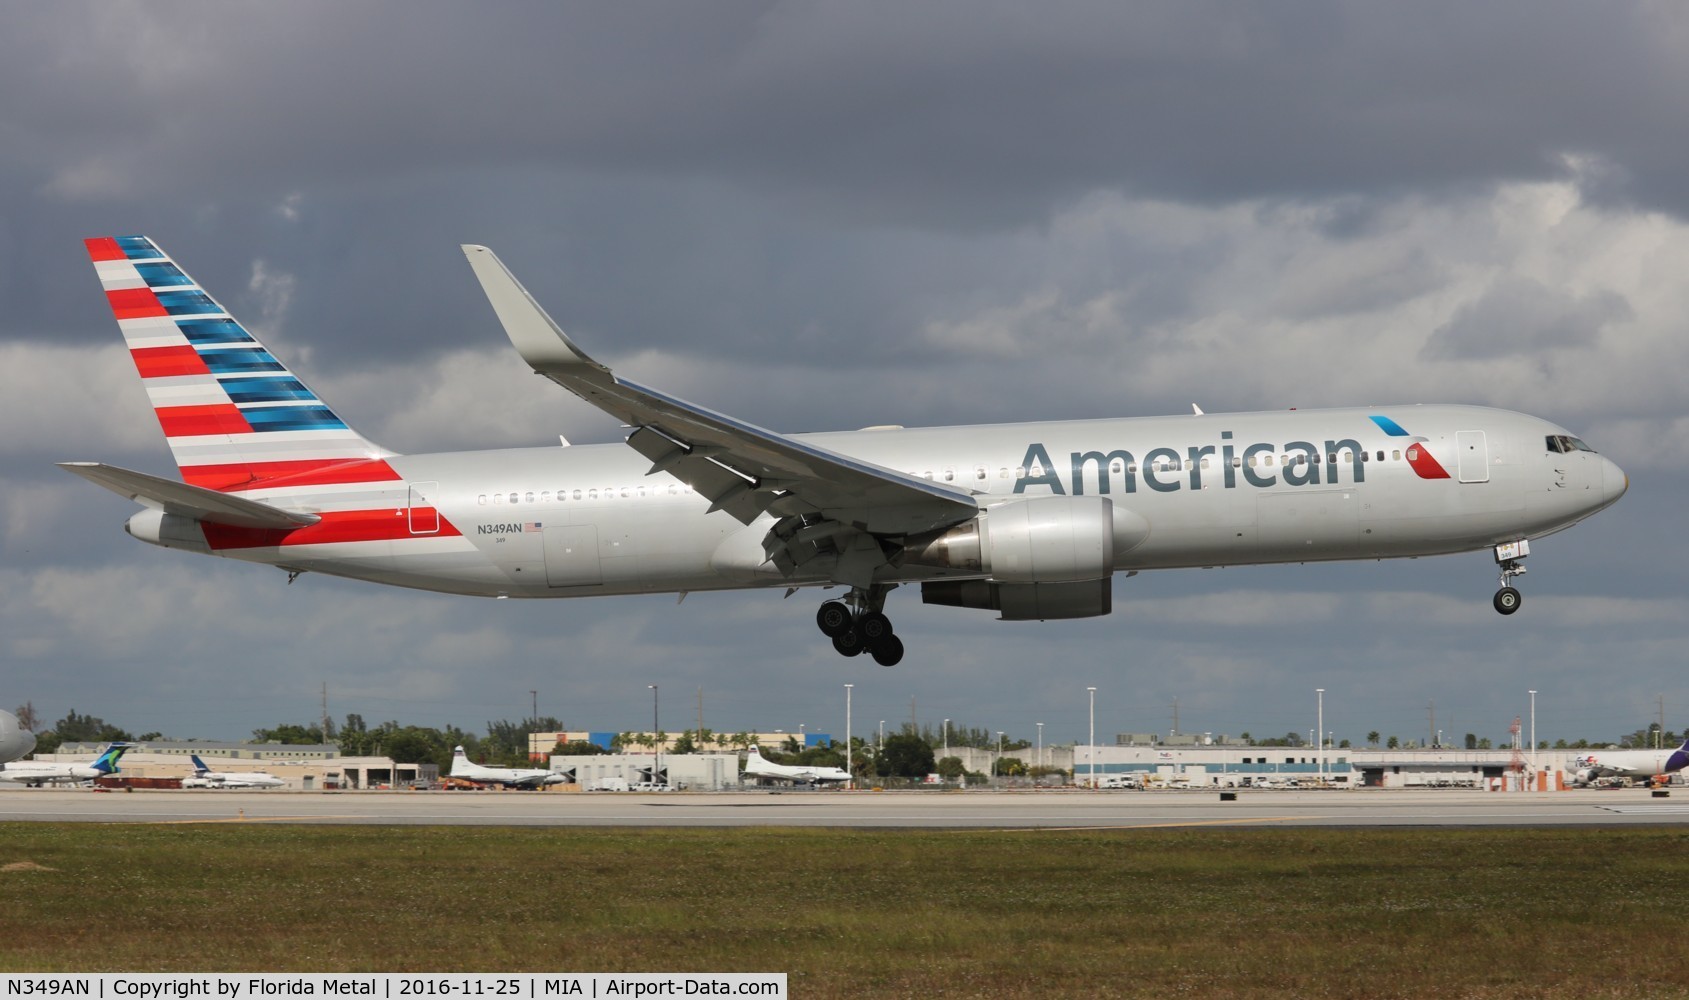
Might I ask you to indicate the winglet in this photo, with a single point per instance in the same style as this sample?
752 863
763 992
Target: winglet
536 336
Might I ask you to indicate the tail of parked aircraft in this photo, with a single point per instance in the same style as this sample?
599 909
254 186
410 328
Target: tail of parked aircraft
1678 759
106 763
235 417
199 765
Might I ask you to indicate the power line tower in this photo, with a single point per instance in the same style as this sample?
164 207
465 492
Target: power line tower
1516 764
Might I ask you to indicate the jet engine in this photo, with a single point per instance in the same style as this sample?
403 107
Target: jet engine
1042 557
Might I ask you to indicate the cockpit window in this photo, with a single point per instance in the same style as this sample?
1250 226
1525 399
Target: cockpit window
1565 443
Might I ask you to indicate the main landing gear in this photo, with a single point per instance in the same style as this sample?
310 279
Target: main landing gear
1507 556
858 625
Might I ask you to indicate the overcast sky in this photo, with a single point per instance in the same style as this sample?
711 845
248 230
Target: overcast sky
823 216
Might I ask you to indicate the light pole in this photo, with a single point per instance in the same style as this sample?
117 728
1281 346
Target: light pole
850 764
1040 744
656 744
1533 737
1321 718
1091 753
946 737
879 745
999 765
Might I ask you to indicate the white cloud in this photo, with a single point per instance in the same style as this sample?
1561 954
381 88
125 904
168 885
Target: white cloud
80 402
1268 305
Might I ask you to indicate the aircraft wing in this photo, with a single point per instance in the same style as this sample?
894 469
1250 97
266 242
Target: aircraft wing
741 468
189 501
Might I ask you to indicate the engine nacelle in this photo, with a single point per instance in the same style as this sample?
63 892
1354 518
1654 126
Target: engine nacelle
1025 601
1036 540
1050 540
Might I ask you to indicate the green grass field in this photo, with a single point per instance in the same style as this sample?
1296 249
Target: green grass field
1145 913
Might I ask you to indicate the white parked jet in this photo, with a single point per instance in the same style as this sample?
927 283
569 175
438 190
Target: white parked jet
15 740
205 777
760 768
45 772
1587 767
1033 520
468 770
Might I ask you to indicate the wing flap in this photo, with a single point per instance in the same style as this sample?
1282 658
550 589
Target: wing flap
188 501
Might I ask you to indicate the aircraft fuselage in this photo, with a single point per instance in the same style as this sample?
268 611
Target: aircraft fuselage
1208 490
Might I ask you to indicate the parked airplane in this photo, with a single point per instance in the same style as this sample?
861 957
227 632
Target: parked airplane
15 740
468 770
760 768
38 773
1030 520
205 777
1586 768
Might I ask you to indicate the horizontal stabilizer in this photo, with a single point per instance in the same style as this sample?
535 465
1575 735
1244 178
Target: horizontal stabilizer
188 501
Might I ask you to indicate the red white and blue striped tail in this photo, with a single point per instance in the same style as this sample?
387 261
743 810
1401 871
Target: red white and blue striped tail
235 417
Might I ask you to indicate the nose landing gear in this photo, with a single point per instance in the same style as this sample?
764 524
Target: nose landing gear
865 629
1508 556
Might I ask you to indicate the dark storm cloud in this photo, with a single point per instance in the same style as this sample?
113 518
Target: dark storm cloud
954 114
725 161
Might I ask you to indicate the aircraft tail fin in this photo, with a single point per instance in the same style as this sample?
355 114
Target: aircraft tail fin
235 417
106 763
199 765
1679 758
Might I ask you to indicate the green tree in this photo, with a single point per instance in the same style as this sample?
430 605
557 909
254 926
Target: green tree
292 734
579 748
950 767
413 746
1471 741
1372 738
684 744
906 756
1393 743
75 728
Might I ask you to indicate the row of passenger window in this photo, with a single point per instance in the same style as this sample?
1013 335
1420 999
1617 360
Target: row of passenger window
947 475
607 493
1255 461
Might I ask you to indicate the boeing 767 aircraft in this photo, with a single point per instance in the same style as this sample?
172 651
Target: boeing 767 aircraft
1030 520
1587 767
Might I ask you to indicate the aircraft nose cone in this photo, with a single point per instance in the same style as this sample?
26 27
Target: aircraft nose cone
1614 482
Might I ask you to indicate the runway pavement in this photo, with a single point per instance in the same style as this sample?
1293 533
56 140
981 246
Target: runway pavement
1045 809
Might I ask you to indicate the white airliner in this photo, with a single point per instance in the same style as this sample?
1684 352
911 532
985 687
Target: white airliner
1587 767
15 740
205 777
38 773
756 766
468 770
1031 520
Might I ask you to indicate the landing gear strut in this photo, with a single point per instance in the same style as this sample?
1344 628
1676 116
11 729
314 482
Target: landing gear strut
858 625
1508 556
